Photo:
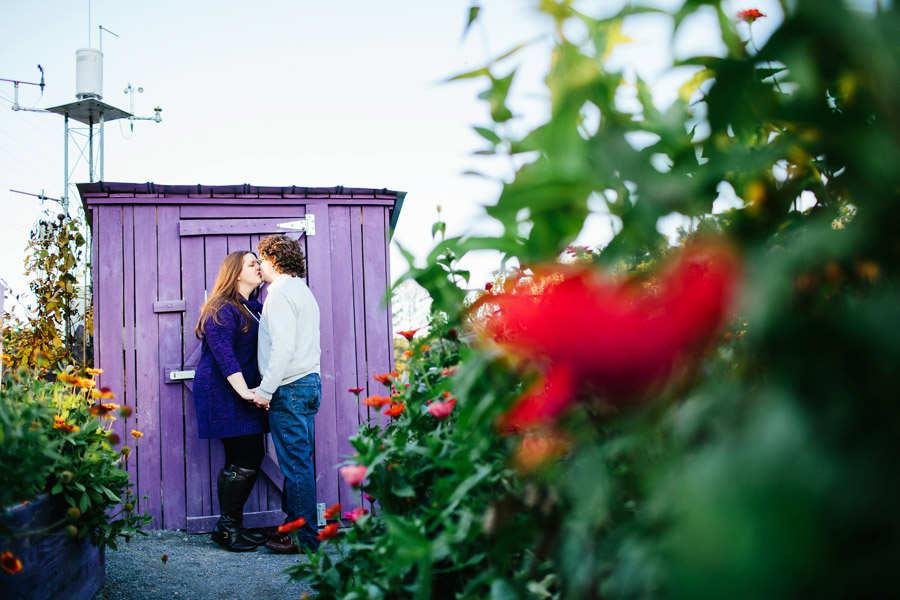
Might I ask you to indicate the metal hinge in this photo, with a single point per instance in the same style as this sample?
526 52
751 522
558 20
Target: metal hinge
307 224
320 513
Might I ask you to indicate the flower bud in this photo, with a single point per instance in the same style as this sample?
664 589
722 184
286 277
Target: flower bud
66 477
74 513
71 531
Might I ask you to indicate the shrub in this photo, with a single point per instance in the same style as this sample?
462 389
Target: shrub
56 439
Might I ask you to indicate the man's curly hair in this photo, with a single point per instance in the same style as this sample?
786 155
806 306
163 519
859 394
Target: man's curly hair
285 254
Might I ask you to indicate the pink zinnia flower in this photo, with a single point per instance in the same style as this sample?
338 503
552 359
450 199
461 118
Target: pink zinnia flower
357 513
441 410
354 474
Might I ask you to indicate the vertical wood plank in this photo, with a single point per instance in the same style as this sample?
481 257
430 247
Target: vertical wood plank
96 283
111 319
216 251
378 342
364 413
147 385
319 255
126 425
171 408
345 364
196 450
387 282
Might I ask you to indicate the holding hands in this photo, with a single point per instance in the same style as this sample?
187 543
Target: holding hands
260 401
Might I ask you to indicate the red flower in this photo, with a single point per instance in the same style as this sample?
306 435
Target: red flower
354 474
357 513
441 410
395 409
542 402
292 526
488 286
328 532
332 511
449 371
622 338
165 558
10 563
356 390
749 15
408 334
377 401
386 377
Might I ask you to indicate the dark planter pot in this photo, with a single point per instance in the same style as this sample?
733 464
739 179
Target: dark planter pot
54 566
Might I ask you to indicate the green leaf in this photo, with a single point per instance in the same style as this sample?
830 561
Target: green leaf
488 135
473 16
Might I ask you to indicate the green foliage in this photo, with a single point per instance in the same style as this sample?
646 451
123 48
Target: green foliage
764 469
56 439
434 479
47 339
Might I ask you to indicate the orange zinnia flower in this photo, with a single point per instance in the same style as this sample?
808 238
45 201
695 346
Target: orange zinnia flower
332 511
386 377
408 334
292 526
92 371
537 450
136 433
395 409
376 401
328 532
10 563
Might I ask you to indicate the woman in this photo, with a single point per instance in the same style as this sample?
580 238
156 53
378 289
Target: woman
223 394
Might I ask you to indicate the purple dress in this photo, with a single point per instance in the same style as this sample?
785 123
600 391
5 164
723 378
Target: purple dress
221 412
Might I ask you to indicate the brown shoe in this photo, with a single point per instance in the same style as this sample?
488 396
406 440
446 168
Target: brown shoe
283 545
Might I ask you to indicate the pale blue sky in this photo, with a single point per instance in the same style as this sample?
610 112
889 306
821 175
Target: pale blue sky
346 92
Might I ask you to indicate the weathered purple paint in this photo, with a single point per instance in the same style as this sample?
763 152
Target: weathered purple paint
157 250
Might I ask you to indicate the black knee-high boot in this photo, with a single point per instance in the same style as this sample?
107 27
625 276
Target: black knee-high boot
234 485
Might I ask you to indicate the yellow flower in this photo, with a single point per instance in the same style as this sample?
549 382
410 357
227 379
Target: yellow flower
92 371
136 433
5 357
84 382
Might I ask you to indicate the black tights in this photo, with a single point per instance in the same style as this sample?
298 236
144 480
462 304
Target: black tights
244 451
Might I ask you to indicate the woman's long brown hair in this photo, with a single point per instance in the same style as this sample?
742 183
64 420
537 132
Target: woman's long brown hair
225 291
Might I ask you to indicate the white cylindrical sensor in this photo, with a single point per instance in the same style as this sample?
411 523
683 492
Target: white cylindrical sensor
88 73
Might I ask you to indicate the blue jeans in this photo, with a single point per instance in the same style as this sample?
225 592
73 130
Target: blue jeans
292 414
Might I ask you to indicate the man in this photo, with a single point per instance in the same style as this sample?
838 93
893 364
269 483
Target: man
291 389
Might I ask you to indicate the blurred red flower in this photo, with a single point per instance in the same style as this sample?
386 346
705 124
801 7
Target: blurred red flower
395 409
292 526
749 15
377 401
332 511
356 390
408 334
622 338
328 532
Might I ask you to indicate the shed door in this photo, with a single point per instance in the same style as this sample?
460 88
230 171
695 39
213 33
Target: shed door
204 244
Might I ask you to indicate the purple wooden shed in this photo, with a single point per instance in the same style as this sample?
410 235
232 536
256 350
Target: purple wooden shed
156 252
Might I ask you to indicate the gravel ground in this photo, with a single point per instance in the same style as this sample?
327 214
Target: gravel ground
197 569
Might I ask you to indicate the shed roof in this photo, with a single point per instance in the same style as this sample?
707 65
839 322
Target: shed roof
108 192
